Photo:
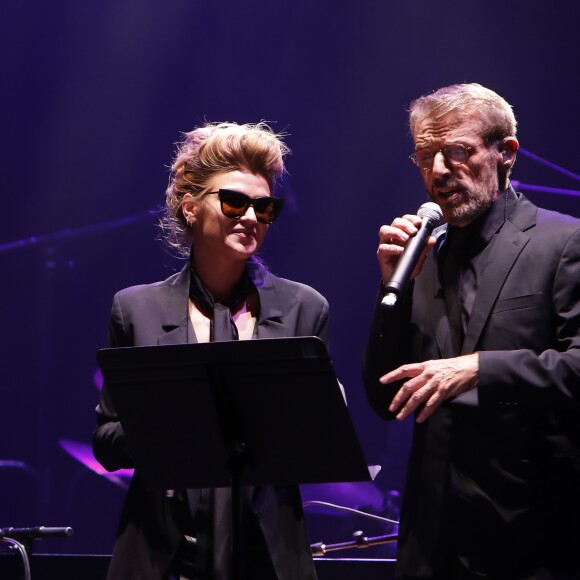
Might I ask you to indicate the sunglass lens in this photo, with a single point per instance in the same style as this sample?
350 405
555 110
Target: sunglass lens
233 203
267 209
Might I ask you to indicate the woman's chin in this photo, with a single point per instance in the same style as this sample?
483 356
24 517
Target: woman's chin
245 251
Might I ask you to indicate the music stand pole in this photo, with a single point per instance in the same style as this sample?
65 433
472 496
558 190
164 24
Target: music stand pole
237 454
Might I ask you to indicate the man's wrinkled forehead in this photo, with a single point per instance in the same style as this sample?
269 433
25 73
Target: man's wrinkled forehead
438 128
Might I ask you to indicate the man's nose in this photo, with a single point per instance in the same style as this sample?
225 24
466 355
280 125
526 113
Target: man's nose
440 165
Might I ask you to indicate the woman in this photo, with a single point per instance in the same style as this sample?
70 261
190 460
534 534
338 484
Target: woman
219 205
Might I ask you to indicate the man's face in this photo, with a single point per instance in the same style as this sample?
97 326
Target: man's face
463 191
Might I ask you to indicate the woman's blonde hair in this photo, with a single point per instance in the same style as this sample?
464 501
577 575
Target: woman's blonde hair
211 149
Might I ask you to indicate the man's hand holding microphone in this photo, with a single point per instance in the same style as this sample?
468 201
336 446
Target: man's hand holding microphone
403 248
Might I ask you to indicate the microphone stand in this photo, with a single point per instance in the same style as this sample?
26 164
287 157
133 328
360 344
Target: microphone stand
20 539
360 541
21 549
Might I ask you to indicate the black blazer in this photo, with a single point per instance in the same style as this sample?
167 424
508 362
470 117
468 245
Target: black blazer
516 438
157 314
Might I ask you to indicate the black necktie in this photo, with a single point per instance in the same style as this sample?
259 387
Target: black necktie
459 280
451 285
222 326
213 506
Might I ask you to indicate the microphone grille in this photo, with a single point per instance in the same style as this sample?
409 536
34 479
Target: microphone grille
432 212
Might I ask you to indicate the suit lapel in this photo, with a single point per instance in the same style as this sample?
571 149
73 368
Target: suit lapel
177 327
512 238
275 303
509 244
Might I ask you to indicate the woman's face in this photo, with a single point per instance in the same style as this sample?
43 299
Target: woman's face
217 236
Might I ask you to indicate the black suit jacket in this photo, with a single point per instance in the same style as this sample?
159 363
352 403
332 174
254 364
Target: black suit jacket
514 441
157 314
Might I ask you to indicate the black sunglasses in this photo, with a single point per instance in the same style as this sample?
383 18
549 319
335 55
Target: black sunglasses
235 204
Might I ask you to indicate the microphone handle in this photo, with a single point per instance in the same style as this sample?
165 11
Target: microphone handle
406 264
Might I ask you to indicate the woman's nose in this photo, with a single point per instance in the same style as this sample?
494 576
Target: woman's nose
249 215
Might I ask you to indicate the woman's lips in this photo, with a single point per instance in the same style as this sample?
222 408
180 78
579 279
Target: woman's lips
245 234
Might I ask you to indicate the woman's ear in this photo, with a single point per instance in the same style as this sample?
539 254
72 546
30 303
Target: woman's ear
189 207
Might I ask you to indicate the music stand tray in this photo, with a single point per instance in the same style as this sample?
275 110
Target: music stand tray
183 408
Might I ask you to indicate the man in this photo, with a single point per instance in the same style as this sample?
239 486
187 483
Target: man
484 348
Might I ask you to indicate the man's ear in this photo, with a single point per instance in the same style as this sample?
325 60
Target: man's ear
508 150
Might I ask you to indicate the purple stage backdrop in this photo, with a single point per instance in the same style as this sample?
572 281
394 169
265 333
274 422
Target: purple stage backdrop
94 96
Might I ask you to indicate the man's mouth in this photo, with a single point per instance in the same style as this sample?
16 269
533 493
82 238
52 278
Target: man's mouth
449 193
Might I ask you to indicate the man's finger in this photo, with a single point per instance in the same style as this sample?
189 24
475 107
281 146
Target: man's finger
401 373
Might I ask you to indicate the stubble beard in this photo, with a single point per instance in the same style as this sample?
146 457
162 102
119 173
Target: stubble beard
473 202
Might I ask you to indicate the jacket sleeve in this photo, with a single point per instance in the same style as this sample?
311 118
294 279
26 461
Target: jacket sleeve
109 443
321 329
388 346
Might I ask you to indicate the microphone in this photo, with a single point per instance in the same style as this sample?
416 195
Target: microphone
432 217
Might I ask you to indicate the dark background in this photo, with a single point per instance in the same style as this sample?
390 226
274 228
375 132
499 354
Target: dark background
94 96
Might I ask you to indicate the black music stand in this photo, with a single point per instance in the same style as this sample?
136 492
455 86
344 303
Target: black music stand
233 413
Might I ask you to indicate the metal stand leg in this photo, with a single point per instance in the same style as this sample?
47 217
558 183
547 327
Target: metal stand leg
23 554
